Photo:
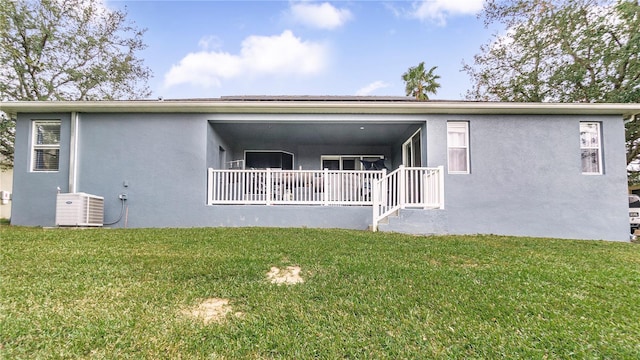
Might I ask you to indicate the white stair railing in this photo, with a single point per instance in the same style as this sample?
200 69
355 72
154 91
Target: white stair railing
414 187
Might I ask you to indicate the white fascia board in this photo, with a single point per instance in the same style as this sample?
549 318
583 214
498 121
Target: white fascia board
309 117
319 107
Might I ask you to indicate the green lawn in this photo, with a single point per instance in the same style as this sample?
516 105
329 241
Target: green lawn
103 293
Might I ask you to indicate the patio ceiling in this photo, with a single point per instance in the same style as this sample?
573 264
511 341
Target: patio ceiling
361 134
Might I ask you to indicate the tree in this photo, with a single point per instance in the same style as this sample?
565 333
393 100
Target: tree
7 136
562 51
420 83
68 50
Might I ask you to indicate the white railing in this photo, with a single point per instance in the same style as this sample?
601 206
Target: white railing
291 187
407 187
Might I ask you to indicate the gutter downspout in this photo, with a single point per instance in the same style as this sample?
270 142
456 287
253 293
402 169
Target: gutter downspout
630 117
73 153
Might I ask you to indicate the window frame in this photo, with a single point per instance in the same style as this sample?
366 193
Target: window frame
412 157
35 124
459 124
341 158
598 147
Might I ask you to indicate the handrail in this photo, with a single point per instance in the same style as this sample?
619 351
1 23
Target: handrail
291 187
407 187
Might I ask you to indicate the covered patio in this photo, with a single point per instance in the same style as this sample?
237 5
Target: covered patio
385 192
314 140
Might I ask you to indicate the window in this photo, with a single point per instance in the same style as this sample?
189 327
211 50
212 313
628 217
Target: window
45 146
458 147
590 148
268 159
347 162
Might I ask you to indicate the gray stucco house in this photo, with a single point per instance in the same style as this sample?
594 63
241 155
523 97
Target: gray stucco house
390 164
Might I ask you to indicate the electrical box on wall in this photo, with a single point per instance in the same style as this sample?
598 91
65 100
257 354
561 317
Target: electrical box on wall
79 209
5 196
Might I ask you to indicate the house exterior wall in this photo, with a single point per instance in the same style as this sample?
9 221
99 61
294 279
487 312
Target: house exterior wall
526 179
218 150
34 193
525 176
160 162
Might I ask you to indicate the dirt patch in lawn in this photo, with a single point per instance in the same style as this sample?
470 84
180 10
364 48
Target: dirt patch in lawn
211 310
290 275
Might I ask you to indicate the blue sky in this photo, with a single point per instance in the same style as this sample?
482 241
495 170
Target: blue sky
200 49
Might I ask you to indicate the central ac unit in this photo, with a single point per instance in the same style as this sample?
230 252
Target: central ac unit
79 209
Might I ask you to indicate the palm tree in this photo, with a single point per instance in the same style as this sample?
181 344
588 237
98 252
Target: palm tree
420 83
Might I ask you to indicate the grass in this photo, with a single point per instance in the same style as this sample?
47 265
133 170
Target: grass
120 294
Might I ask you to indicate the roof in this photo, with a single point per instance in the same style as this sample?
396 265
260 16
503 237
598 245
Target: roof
316 98
318 105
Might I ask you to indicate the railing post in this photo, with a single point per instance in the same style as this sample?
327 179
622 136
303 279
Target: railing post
384 191
268 192
210 187
325 186
402 186
375 197
441 188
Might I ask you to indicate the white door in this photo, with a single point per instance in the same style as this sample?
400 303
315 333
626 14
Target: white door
412 151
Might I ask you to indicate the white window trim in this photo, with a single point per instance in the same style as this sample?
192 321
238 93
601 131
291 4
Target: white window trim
598 147
465 125
340 157
35 146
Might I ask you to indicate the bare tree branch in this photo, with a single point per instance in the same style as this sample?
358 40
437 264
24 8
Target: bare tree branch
68 50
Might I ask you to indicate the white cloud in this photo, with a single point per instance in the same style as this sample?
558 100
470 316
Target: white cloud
204 69
393 9
210 42
282 54
320 16
439 10
367 90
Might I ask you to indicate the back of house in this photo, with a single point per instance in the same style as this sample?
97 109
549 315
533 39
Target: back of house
546 170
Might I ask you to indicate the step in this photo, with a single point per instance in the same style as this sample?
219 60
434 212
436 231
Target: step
386 219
